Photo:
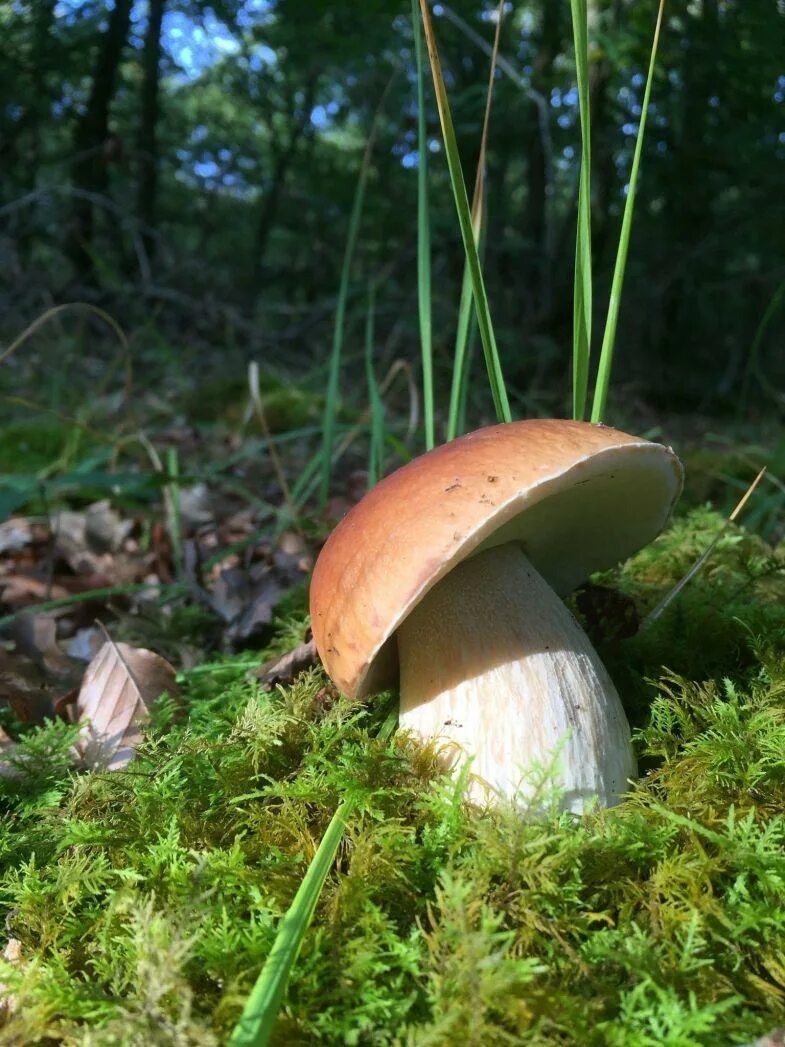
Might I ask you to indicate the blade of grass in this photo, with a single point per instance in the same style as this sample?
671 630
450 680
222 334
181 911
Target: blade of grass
257 406
753 366
261 1009
460 358
375 464
331 401
423 241
153 588
308 480
582 301
490 349
471 345
609 336
57 310
173 510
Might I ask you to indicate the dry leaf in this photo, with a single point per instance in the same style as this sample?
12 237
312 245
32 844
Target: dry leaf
118 688
196 509
7 770
289 665
246 599
36 637
24 687
12 953
85 644
15 534
105 529
19 590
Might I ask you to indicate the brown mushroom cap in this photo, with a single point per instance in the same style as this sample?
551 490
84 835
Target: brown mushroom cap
578 497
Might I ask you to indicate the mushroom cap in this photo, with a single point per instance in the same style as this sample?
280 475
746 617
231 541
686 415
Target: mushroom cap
578 497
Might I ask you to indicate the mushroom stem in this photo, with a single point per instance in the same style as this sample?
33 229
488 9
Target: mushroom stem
492 660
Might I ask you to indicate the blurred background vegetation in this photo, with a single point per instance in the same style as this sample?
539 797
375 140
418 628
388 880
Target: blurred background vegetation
189 167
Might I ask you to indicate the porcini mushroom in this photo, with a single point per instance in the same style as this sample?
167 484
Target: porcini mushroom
448 577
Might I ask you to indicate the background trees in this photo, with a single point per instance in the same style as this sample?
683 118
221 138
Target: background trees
185 162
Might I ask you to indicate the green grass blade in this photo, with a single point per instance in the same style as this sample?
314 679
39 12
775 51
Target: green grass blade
609 336
458 392
261 1009
460 358
753 366
174 522
375 463
423 241
331 399
471 343
490 349
582 302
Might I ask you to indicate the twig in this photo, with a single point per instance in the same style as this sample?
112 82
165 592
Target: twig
674 592
55 311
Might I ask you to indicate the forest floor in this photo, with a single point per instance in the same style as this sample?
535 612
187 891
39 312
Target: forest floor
143 872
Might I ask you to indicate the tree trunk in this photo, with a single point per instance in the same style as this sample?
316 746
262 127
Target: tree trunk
147 191
271 199
90 139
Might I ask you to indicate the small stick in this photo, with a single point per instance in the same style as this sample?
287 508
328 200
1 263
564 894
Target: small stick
674 592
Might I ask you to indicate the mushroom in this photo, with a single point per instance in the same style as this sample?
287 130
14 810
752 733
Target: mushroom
448 579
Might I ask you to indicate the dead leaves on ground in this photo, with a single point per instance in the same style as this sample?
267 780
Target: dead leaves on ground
114 701
284 669
230 568
112 704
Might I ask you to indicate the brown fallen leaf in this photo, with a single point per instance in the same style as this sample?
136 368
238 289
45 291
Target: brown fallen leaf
36 637
246 598
12 953
775 1038
20 590
26 688
7 770
105 530
287 667
118 688
15 534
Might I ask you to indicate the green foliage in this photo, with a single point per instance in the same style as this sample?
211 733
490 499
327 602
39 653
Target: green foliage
146 901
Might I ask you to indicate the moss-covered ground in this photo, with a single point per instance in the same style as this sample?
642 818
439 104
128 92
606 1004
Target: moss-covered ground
146 901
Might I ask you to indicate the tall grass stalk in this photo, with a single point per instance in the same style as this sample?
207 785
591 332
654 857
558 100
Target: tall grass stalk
173 506
753 365
261 1009
331 399
460 362
460 368
423 241
609 336
376 450
490 349
582 300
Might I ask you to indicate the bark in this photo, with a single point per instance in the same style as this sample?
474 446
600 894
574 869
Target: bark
35 84
89 173
147 192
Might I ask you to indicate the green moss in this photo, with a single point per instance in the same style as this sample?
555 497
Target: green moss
147 900
286 406
29 445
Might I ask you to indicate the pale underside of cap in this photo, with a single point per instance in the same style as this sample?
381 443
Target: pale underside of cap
577 497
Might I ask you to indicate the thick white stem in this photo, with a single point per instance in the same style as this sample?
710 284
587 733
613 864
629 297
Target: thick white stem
493 661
